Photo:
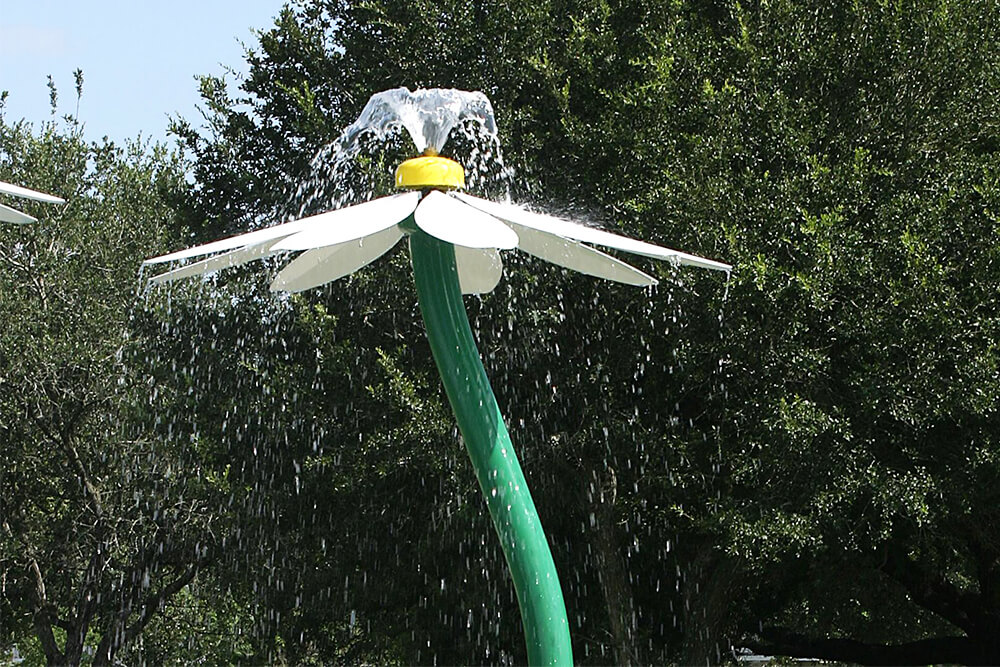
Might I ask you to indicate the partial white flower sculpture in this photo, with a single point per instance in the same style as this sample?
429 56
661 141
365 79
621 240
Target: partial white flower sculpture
8 214
339 242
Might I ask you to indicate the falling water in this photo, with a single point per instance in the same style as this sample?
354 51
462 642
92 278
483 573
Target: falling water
576 365
428 118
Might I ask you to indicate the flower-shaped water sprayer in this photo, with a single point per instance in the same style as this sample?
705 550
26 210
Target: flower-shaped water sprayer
455 240
8 214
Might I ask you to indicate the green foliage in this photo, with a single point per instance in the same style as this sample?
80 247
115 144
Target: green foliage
806 451
103 521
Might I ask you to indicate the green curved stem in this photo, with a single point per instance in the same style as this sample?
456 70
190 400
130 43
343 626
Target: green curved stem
543 611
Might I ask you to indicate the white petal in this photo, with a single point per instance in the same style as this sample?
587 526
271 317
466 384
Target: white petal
236 257
353 222
18 191
559 227
7 214
258 237
322 265
452 221
479 270
278 232
578 257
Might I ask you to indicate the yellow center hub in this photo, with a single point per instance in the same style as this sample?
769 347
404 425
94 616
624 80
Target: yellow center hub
430 171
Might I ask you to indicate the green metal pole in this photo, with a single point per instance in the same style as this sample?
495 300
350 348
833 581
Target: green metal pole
539 595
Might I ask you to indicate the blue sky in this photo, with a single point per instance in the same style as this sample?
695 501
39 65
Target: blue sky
139 58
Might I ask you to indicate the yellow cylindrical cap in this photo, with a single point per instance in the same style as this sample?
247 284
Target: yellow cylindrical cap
430 172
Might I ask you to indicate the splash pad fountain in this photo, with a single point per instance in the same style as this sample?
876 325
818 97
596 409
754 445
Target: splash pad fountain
454 240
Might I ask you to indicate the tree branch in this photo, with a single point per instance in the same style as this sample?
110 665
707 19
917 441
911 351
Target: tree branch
953 650
155 602
981 536
86 604
62 440
934 592
42 619
118 635
93 496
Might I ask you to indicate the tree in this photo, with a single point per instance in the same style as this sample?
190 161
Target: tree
105 517
855 167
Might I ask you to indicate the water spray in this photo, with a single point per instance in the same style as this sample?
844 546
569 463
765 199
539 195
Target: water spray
455 240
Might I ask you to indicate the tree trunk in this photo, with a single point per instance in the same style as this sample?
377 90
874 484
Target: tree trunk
613 574
707 586
42 618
